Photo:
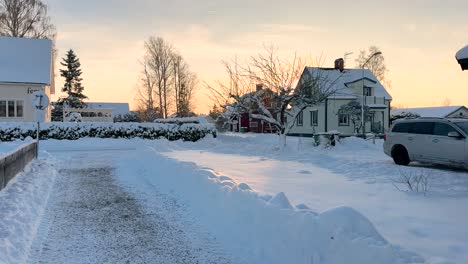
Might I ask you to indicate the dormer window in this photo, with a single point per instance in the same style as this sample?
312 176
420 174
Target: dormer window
367 91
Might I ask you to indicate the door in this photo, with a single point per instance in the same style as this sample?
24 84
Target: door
444 148
419 139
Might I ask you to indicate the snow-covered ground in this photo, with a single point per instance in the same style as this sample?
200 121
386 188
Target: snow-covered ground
355 173
234 199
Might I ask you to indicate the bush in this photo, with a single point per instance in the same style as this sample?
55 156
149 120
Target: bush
73 131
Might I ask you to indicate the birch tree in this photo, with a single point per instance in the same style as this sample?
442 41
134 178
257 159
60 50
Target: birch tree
25 19
159 58
185 83
147 104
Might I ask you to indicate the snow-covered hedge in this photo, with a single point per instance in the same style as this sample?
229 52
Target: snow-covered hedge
72 131
181 120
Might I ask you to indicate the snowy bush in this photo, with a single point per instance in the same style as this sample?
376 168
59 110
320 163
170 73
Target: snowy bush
74 117
414 181
180 121
73 131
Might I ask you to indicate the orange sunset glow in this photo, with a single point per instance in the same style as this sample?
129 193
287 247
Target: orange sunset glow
418 40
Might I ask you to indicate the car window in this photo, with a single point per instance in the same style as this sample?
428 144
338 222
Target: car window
441 129
422 128
402 128
463 126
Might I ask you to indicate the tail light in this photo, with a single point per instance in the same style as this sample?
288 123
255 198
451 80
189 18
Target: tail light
385 137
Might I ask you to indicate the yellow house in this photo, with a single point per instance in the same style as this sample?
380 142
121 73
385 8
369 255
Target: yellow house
26 66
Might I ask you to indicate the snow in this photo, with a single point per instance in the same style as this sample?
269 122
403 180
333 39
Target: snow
8 147
438 111
21 209
25 60
355 174
231 200
338 81
462 54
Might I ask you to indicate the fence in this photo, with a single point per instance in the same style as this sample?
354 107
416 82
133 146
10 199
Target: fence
15 162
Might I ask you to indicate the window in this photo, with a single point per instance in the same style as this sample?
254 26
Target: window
314 118
343 120
463 125
422 128
3 111
11 108
367 91
253 124
19 108
402 128
300 119
441 129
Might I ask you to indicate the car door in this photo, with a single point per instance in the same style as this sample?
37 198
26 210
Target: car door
444 148
418 140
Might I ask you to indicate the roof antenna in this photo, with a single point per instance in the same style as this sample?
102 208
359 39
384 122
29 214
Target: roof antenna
346 55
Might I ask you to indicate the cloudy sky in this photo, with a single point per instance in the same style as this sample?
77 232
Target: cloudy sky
418 38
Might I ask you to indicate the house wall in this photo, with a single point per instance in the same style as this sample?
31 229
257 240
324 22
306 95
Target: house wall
332 122
22 92
462 112
307 129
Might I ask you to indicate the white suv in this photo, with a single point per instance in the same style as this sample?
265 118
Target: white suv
434 140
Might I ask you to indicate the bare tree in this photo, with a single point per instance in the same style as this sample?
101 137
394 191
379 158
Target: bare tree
159 55
376 64
290 91
25 18
147 106
354 110
185 83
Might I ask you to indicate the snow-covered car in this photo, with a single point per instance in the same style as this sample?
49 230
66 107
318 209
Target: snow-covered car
432 140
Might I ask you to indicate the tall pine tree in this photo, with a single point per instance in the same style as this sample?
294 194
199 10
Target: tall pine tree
72 86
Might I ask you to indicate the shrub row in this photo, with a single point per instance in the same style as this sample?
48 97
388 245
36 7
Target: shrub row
73 131
180 120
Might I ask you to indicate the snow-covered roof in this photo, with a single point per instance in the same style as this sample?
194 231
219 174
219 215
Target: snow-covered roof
338 80
25 60
117 108
438 111
462 54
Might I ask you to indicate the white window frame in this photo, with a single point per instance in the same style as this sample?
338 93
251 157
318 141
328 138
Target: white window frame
300 119
15 107
343 123
313 114
367 91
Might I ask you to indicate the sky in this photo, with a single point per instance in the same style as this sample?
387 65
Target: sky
418 39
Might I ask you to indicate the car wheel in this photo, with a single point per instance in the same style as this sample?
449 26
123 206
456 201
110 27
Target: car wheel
400 156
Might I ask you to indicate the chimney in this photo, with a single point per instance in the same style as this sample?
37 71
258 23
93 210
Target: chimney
259 86
339 64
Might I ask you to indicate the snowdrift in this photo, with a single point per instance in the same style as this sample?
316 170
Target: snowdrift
22 205
73 131
266 229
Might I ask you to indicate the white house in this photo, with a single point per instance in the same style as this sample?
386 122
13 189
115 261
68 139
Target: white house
438 111
26 66
99 112
349 85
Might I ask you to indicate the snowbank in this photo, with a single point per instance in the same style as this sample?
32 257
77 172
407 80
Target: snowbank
8 147
22 204
263 229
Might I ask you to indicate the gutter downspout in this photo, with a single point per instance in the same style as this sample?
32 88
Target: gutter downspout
326 115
